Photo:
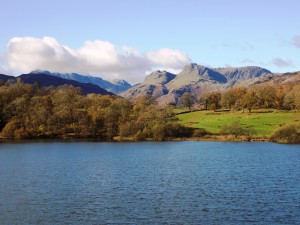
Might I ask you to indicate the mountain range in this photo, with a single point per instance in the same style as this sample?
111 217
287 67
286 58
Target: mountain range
45 80
114 86
165 86
197 79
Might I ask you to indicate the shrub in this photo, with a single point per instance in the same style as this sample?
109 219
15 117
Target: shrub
159 132
127 129
287 134
13 129
142 135
237 129
200 132
178 131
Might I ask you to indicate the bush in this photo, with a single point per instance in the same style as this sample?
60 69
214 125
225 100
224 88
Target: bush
176 130
237 129
199 132
159 132
142 135
127 129
13 129
288 134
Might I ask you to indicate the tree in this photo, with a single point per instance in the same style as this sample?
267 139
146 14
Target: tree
281 91
66 109
214 101
203 100
232 98
266 95
187 100
117 113
228 99
250 100
292 98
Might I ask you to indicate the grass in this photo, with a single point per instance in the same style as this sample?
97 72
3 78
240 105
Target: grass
263 122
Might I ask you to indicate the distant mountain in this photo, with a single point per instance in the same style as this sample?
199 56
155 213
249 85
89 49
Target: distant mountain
152 85
121 82
45 80
159 78
243 73
197 79
194 74
5 78
116 86
285 78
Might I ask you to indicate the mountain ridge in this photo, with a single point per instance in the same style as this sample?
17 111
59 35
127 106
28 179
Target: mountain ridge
45 80
169 87
197 79
115 87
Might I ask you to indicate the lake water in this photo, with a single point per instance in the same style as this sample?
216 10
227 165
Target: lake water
149 183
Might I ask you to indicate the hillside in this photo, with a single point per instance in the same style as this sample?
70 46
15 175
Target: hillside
5 78
285 78
152 85
45 80
263 124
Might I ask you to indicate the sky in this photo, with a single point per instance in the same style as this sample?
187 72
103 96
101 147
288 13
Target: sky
117 39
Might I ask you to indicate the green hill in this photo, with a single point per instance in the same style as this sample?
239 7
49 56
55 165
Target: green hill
263 122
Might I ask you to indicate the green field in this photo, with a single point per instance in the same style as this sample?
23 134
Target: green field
264 123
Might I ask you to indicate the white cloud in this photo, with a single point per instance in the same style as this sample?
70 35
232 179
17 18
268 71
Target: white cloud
4 67
169 58
94 57
248 61
281 63
296 41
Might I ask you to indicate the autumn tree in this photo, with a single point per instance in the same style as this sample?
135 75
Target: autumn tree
203 100
266 95
231 99
292 98
66 108
279 97
187 100
117 113
214 101
250 100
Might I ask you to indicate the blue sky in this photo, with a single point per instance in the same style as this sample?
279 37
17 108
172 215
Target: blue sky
153 34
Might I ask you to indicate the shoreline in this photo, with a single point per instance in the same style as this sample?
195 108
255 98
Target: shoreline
208 138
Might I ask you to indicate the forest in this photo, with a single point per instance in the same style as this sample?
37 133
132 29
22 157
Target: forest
29 111
281 97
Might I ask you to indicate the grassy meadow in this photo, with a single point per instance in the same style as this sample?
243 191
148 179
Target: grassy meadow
263 122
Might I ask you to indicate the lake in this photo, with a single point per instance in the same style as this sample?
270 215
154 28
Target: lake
149 183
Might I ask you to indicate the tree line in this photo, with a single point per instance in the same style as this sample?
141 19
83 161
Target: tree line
281 97
28 111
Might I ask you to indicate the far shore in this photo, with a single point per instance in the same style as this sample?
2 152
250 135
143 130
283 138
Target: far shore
207 138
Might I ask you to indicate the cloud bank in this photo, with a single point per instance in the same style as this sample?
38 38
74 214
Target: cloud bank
93 58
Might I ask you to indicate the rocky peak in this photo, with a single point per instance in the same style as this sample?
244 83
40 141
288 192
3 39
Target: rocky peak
243 73
121 82
193 72
194 67
159 78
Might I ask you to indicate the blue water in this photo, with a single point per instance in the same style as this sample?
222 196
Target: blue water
149 183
